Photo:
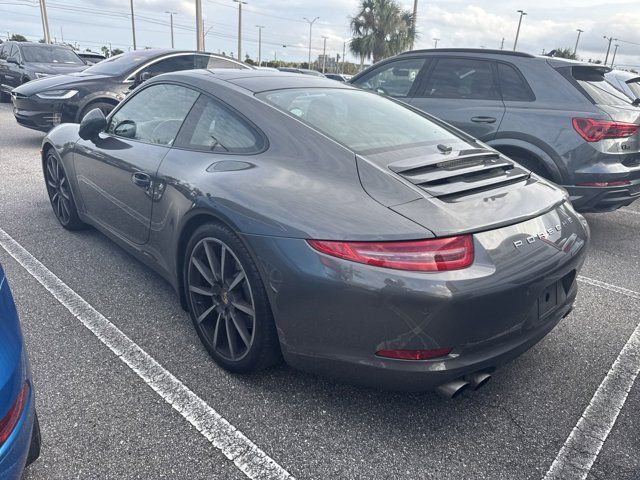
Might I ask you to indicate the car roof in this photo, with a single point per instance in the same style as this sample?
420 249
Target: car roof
257 81
623 75
483 51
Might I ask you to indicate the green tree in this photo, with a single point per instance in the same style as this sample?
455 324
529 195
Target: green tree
16 37
381 29
116 51
564 53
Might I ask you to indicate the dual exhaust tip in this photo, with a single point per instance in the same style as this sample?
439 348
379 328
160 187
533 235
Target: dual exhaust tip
455 388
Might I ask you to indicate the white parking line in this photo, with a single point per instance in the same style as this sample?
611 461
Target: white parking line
252 461
582 447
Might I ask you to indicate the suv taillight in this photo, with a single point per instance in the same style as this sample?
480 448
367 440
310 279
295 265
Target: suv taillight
10 420
437 254
593 130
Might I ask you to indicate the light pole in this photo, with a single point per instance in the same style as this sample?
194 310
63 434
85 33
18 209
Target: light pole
575 50
324 54
310 22
611 39
615 50
240 3
435 42
199 27
260 27
344 52
45 21
413 22
522 14
133 25
171 14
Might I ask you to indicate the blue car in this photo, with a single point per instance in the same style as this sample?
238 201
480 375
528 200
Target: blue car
19 428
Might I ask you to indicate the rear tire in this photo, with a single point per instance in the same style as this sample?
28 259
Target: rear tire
532 165
227 301
4 97
36 441
105 107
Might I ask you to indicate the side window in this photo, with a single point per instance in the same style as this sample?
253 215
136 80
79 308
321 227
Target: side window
214 128
171 64
13 52
208 61
2 49
513 85
153 115
394 79
462 78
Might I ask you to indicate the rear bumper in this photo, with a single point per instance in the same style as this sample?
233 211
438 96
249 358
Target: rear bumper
603 199
333 315
14 453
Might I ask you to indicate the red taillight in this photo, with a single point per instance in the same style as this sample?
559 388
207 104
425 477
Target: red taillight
10 420
617 183
595 130
438 254
415 354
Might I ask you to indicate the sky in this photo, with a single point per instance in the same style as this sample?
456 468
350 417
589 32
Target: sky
548 24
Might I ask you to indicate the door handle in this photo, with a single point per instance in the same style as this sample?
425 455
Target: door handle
141 180
483 119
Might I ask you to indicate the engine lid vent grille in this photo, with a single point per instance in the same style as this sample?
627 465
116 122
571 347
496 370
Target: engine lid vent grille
443 175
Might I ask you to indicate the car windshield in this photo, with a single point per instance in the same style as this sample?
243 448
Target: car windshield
50 54
359 120
118 64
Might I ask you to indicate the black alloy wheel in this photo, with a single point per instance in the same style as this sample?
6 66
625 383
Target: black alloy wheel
60 194
227 302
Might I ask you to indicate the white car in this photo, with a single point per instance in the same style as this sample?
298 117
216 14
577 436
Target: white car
627 82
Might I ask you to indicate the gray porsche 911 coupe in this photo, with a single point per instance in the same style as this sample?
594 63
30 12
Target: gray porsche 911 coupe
302 218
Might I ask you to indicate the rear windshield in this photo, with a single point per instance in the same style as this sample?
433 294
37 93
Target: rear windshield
635 88
601 92
357 119
50 54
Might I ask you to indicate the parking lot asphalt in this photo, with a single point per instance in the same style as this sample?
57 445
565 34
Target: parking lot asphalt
100 420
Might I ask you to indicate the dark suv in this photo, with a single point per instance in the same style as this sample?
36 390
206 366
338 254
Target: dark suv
21 62
46 103
559 118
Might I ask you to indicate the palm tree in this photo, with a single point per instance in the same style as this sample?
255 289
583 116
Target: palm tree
381 29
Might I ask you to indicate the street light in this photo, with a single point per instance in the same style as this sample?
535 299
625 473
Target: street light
171 14
133 26
435 42
324 54
575 50
614 54
260 27
199 27
522 14
240 3
611 39
310 22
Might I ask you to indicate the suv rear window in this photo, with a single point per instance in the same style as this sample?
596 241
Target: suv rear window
50 54
513 85
598 90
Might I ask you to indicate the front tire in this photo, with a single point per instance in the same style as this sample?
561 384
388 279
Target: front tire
227 301
60 195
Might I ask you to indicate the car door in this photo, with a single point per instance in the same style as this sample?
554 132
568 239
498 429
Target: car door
116 172
396 78
13 68
463 92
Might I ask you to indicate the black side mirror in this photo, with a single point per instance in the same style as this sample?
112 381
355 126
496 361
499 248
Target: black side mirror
636 102
142 77
13 60
92 124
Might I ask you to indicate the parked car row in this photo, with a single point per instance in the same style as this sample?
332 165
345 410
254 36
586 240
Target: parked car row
560 119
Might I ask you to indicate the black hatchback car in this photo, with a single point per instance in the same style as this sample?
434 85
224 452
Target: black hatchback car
46 103
559 118
21 62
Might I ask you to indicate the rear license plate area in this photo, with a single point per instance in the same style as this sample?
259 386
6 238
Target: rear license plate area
548 301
